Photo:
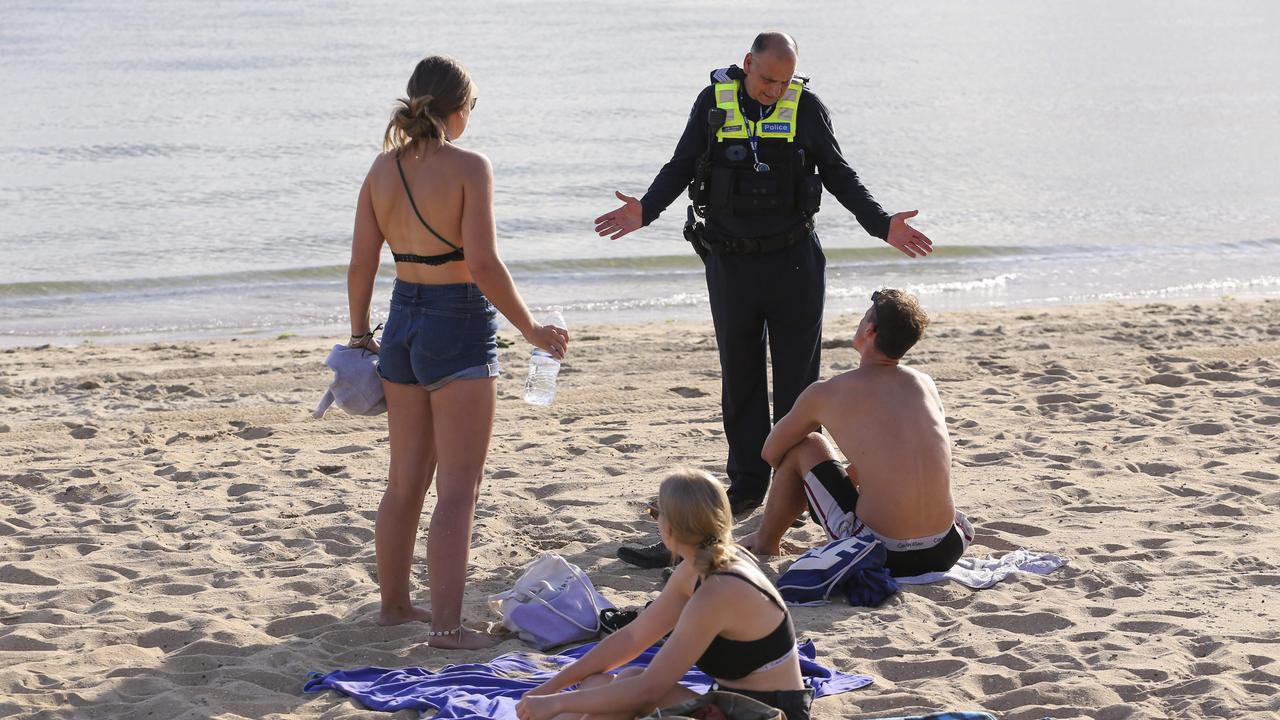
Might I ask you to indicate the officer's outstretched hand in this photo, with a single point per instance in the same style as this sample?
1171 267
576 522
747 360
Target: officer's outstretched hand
625 219
906 238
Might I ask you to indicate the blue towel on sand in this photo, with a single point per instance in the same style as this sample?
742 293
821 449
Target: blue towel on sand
489 691
947 716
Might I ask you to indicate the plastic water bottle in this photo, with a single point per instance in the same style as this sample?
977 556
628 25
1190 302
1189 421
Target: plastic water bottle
540 387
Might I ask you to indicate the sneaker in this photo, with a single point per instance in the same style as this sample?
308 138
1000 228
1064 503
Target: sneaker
646 556
612 619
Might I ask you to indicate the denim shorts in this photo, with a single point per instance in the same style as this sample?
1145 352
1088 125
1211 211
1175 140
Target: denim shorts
438 333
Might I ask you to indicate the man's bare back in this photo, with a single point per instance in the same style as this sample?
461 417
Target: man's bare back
888 422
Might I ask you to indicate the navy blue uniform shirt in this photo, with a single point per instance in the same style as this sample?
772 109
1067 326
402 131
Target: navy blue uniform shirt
813 133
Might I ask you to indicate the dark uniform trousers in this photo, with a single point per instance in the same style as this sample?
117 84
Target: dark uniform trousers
775 297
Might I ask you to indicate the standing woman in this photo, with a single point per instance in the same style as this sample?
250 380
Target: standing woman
432 202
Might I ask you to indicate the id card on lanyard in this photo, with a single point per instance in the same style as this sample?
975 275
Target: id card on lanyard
755 141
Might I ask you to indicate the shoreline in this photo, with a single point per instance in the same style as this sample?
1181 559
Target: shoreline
695 316
182 539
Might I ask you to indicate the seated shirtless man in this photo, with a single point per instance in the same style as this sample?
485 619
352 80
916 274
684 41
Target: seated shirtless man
888 421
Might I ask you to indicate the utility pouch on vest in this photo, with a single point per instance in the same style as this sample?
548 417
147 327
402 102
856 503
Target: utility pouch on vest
693 233
720 195
759 193
810 194
699 187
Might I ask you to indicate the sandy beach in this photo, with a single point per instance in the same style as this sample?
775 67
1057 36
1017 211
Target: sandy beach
180 539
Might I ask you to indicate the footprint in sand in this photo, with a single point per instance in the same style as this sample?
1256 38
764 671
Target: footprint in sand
615 441
84 432
1221 510
1183 491
167 638
1263 580
346 450
1157 469
1035 623
180 589
255 433
14 575
688 392
1014 528
1220 376
903 670
987 458
239 489
21 642
1207 428
300 624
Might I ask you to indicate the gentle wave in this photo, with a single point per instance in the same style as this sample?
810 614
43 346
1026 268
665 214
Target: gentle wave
995 282
544 269
1208 288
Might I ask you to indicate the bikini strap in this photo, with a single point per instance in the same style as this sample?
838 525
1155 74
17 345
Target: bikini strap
752 583
414 205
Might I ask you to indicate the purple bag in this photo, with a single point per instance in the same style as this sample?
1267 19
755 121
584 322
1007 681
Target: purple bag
552 604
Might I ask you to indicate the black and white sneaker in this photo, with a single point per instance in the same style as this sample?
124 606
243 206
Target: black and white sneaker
646 556
612 619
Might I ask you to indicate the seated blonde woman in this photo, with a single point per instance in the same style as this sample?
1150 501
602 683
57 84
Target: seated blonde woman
723 615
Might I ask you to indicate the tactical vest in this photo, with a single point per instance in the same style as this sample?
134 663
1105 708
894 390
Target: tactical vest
735 186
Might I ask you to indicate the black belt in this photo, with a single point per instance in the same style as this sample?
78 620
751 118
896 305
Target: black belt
729 245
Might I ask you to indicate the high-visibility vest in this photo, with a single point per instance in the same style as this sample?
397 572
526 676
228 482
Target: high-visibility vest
779 125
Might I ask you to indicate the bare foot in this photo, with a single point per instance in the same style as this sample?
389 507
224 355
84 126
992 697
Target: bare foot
401 616
752 544
464 639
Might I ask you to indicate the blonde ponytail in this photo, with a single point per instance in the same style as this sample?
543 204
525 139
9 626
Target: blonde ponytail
696 509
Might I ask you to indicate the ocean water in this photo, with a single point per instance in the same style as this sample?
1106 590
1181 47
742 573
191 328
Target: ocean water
180 169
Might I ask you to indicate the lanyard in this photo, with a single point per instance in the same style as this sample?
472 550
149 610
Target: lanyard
754 140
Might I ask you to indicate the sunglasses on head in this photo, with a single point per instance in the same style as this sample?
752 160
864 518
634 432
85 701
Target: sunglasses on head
473 102
875 306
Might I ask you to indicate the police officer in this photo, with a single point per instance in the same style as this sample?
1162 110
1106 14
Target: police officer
754 156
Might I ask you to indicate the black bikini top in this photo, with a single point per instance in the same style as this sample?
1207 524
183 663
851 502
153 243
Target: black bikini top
736 659
441 259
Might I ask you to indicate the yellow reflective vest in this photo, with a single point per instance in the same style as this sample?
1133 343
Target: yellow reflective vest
779 125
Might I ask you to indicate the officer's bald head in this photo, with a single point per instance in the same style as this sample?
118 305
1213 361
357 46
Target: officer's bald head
769 66
776 42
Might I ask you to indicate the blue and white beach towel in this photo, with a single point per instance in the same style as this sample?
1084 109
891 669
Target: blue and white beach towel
490 691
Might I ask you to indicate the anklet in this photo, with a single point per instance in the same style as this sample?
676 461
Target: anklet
445 633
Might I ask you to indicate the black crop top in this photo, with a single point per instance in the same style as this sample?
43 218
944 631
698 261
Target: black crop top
441 259
736 659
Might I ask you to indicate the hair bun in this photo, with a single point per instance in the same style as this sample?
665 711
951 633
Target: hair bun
419 106
438 88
